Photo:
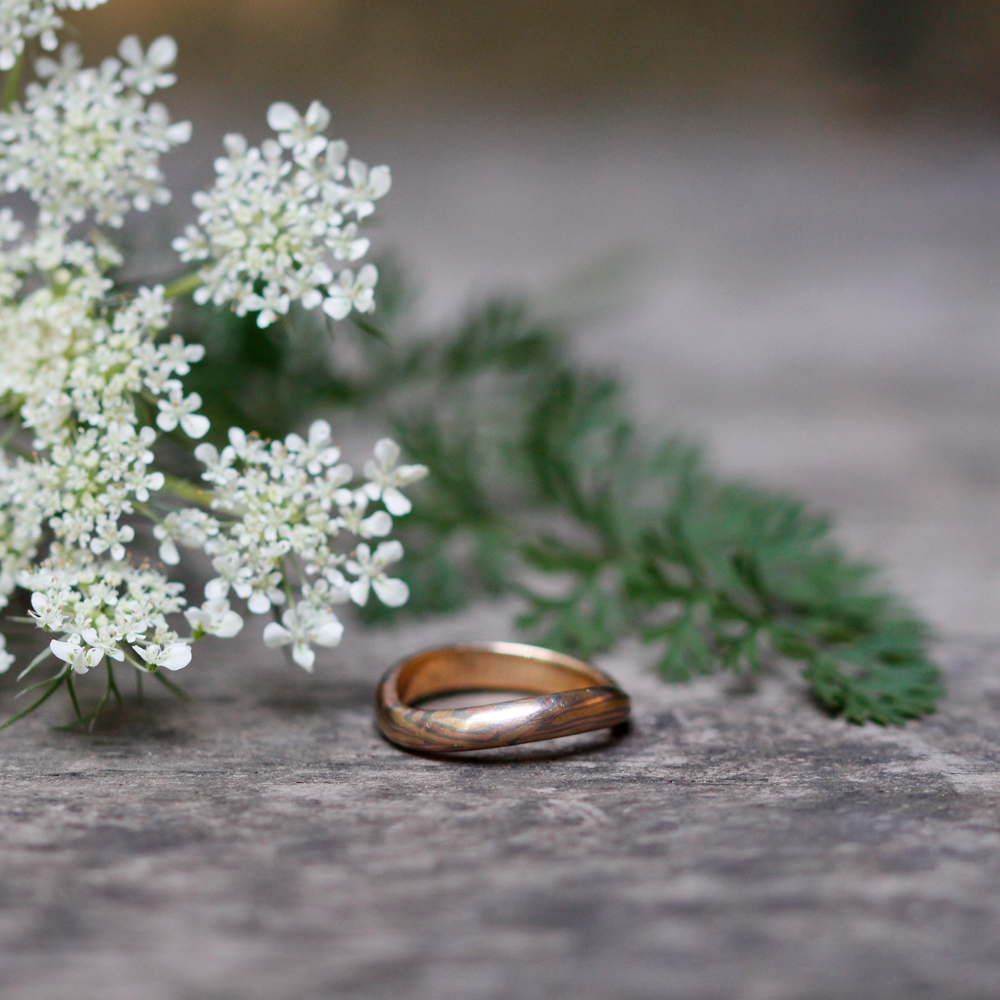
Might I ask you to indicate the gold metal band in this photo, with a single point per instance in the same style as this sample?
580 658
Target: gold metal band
569 696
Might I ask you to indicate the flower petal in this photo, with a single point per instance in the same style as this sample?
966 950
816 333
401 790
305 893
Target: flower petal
282 116
276 635
303 655
359 591
328 634
395 502
391 592
177 656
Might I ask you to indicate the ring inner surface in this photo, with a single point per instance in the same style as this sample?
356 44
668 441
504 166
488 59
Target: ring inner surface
449 671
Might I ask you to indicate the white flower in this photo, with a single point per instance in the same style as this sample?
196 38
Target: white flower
386 477
47 611
275 216
145 72
345 243
300 626
367 186
193 245
106 640
80 658
352 507
24 19
318 452
84 142
190 527
301 135
10 228
370 570
176 357
173 656
352 293
168 548
111 536
83 360
176 409
6 659
273 303
214 618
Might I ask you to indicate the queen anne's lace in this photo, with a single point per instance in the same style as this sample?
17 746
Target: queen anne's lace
24 19
274 226
86 140
89 379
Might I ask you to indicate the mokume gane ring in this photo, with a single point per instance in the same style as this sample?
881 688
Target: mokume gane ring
569 696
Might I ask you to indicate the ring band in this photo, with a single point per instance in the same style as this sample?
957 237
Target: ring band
568 696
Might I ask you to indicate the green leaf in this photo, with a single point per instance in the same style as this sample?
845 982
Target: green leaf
541 485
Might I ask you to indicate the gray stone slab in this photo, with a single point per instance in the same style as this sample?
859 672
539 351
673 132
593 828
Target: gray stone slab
822 307
263 841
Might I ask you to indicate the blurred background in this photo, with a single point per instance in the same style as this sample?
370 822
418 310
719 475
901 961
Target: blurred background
415 55
779 219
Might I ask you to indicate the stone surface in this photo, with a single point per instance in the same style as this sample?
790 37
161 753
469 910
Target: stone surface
822 309
265 842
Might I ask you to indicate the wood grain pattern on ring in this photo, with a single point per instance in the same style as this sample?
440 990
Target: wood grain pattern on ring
565 696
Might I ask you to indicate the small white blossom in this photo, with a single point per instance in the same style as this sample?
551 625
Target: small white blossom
47 611
345 243
145 71
302 135
80 658
367 186
387 477
176 357
176 409
351 293
352 507
214 618
370 570
10 228
110 537
104 639
300 626
172 656
317 452
273 303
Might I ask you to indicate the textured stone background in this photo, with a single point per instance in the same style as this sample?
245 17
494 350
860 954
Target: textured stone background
822 307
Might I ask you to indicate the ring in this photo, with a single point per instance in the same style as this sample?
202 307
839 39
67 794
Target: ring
568 696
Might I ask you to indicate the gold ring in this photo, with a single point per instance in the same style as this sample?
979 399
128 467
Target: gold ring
569 696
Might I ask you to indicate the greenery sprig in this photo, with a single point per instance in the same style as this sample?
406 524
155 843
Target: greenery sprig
541 485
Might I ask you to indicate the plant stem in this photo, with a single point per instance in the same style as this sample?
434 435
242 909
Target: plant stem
72 696
111 682
42 656
184 285
186 491
56 684
180 692
100 705
138 688
12 83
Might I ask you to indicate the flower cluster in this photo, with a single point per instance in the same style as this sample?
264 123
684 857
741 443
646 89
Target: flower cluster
73 373
86 140
283 510
275 224
92 378
24 19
